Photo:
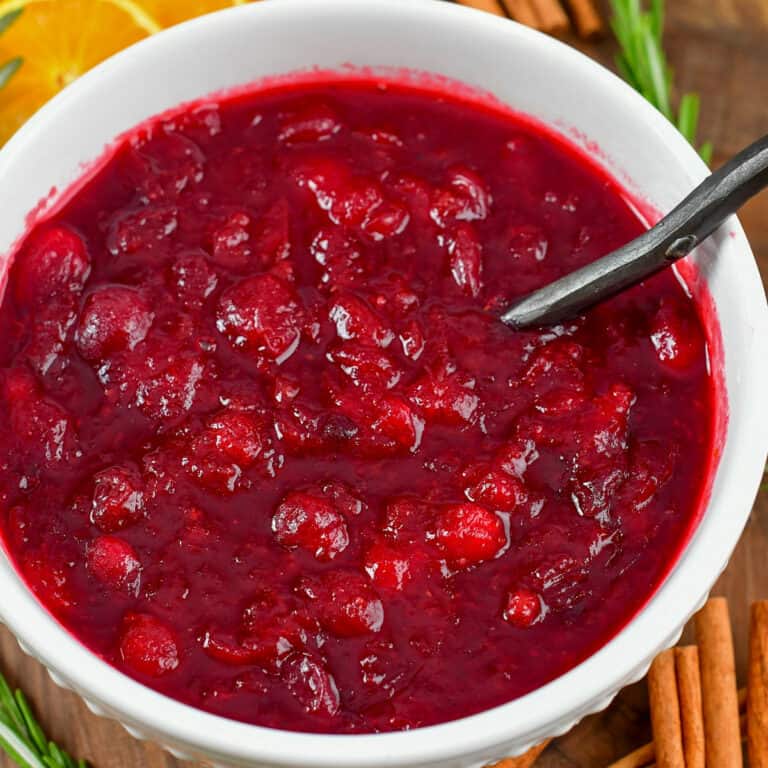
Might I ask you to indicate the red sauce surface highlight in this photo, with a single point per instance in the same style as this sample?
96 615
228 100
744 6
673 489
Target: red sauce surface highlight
266 447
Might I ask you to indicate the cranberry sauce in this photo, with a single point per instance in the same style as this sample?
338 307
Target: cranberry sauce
266 447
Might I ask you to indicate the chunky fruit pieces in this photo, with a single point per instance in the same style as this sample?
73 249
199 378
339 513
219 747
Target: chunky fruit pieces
115 563
266 447
346 604
522 608
468 534
118 499
54 263
113 320
312 522
261 313
147 646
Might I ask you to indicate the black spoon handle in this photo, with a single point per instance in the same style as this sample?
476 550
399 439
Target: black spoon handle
675 236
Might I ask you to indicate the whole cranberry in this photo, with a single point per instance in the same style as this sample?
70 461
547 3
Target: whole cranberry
113 319
522 607
394 567
54 262
347 605
114 562
147 646
469 534
312 522
118 498
261 314
311 683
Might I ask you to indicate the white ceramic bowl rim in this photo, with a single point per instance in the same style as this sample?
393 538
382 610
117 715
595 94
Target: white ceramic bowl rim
527 718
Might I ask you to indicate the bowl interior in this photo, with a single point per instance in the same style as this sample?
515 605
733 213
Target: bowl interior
533 74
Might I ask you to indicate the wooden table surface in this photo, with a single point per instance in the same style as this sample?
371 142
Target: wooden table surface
719 48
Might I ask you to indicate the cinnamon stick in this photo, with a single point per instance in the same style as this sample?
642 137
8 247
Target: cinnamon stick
757 687
586 18
691 714
665 711
643 756
526 760
491 6
718 685
552 18
522 11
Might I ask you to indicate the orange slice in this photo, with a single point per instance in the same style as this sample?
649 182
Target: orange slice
169 12
61 39
58 41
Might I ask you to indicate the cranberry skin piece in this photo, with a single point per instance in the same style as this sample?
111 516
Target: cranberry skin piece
354 202
56 262
272 238
311 522
394 568
466 260
147 646
274 624
237 436
341 257
405 520
387 220
522 607
192 279
43 427
113 319
448 399
228 651
366 366
311 683
469 534
467 199
170 162
272 627
115 563
557 365
355 320
141 229
343 499
298 428
231 243
118 499
347 605
517 455
676 338
261 314
172 388
398 421
495 489
412 340
339 431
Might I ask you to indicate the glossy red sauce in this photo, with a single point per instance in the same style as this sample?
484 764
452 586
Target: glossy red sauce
266 448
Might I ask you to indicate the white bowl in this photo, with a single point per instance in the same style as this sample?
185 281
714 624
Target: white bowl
535 75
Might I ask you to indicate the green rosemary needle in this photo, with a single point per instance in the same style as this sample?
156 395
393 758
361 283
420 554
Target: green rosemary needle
8 69
643 64
22 738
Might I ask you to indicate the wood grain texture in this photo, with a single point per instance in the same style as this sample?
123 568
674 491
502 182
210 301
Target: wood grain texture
719 48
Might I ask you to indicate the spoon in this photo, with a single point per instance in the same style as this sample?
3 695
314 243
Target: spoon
675 236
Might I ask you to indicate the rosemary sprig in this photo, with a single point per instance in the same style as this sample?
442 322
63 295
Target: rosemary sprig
22 738
643 64
8 69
